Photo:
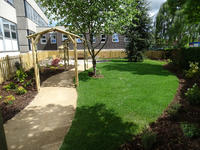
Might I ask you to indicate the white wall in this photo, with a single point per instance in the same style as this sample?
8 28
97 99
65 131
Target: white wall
31 25
37 8
7 11
9 53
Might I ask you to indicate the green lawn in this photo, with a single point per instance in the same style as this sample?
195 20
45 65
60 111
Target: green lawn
112 109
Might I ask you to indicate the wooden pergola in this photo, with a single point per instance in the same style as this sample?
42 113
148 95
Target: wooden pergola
71 37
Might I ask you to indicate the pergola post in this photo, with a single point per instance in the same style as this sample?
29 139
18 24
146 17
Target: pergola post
68 53
65 47
36 69
84 56
75 62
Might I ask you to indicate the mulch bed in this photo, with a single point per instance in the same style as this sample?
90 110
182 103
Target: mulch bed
21 101
169 134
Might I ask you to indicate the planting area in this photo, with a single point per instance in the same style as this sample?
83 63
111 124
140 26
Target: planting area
112 109
17 93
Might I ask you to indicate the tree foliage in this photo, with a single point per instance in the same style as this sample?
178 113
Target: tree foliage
139 33
92 17
172 26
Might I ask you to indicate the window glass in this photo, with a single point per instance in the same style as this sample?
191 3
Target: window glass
6 30
64 37
79 40
103 38
53 38
94 39
115 38
13 31
10 1
43 39
1 32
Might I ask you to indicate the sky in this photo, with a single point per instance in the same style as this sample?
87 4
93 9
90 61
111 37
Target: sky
155 6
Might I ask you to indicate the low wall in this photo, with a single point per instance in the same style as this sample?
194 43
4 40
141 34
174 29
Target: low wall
7 64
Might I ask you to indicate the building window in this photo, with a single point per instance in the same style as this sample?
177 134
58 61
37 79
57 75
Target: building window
6 28
33 15
43 40
115 38
79 40
64 37
8 36
103 38
53 38
126 40
10 2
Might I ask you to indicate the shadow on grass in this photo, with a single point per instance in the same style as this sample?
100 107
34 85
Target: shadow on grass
140 68
83 76
97 128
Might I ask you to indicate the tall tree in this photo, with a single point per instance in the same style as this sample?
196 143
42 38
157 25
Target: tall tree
173 28
139 32
92 17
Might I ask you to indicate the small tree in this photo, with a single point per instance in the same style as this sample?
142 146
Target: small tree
91 18
139 32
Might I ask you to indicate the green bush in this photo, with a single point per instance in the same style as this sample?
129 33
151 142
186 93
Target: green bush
173 109
9 99
20 90
9 86
194 70
1 97
183 56
190 130
20 75
193 95
27 84
148 139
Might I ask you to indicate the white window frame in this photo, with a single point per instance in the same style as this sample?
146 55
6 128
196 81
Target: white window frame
79 40
126 40
103 38
53 38
43 38
64 38
115 36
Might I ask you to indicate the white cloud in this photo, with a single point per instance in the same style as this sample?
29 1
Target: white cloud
155 6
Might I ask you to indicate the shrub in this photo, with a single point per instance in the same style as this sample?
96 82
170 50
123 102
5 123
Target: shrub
138 57
9 86
183 56
28 83
148 139
1 97
20 76
193 95
190 130
193 71
55 62
9 99
173 109
20 90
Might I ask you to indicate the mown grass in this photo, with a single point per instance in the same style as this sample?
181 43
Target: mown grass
112 109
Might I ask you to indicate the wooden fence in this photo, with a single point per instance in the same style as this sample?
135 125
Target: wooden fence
8 69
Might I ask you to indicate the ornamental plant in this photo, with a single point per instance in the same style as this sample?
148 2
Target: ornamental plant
190 130
193 95
193 71
9 99
9 86
20 90
20 76
55 62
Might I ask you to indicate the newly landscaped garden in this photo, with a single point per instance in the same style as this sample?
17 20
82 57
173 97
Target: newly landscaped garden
113 108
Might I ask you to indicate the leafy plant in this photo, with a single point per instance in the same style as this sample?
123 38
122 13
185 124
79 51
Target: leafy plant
173 109
9 86
1 97
193 71
20 75
148 139
20 90
9 99
193 94
28 83
190 130
55 62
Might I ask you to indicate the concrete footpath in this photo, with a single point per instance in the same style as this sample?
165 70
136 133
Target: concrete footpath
43 124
